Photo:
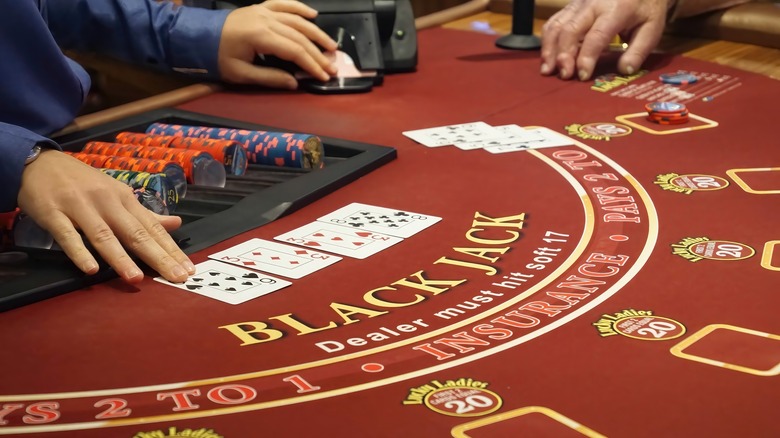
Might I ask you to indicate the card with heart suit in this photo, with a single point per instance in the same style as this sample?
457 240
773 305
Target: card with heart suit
275 258
337 239
227 283
451 134
383 220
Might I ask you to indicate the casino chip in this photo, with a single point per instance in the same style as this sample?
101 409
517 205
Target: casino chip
667 113
679 78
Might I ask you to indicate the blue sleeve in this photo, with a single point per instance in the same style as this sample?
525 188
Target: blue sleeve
160 35
15 144
41 91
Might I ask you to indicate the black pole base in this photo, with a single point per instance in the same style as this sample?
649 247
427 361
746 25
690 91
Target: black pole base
519 42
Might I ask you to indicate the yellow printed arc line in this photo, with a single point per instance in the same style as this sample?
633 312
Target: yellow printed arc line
461 430
766 256
733 173
626 118
677 350
585 239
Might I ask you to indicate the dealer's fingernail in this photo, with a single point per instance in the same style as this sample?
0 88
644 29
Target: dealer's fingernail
179 272
133 273
189 267
564 73
629 69
583 75
545 70
90 267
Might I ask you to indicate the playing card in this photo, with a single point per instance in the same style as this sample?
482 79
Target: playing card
547 138
509 135
383 220
451 134
228 283
275 258
349 242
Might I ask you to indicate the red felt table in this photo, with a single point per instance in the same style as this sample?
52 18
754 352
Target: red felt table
625 285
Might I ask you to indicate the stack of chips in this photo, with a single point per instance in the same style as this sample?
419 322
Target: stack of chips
667 113
303 151
173 171
678 78
230 153
199 167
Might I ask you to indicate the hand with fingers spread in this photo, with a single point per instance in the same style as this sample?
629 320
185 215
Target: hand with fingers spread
575 36
276 27
65 196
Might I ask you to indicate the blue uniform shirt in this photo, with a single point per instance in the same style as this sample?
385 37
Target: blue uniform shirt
41 90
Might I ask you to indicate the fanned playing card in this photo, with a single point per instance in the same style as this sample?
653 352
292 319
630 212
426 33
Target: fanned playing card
227 283
545 138
451 134
383 220
275 258
349 242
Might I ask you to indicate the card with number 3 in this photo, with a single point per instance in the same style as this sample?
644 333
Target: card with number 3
275 258
345 241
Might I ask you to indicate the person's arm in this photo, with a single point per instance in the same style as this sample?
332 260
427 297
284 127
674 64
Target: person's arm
40 92
213 43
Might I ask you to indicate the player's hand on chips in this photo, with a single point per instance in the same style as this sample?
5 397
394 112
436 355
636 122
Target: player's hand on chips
279 28
64 195
575 36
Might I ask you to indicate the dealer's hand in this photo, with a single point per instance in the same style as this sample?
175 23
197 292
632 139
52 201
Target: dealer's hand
64 195
276 27
594 23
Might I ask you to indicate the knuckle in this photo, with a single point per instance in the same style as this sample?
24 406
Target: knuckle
103 234
138 237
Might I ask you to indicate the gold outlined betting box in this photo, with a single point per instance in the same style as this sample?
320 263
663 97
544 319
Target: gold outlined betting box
523 422
760 351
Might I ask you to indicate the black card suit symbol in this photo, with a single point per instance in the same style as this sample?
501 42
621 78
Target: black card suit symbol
197 279
355 224
250 275
247 283
231 289
214 274
214 284
401 213
231 278
194 286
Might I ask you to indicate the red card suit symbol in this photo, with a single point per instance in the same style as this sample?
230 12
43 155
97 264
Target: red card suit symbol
339 239
363 234
311 243
319 235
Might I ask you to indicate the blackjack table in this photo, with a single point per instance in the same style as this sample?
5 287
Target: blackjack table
624 283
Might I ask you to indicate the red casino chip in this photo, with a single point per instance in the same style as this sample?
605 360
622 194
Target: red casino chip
666 108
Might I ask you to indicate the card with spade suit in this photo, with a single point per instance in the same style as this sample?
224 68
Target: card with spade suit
345 241
383 220
228 283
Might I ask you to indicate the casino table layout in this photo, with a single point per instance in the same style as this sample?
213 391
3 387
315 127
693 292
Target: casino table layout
624 284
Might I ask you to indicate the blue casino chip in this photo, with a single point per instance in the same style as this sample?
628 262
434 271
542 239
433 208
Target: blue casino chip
679 78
